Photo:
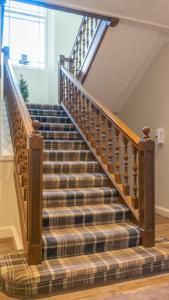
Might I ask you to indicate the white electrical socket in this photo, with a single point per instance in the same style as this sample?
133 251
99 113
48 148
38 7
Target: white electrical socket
160 136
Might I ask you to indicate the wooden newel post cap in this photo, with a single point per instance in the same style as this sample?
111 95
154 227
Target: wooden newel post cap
35 125
146 133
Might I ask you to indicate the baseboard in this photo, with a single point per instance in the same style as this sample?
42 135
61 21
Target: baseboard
10 231
162 211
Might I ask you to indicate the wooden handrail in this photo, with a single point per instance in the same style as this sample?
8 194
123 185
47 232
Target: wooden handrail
87 42
127 159
107 113
28 156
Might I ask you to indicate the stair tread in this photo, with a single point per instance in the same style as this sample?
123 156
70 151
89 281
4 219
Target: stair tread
96 208
84 270
79 176
90 233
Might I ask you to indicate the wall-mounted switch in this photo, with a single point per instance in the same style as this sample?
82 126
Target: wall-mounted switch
160 136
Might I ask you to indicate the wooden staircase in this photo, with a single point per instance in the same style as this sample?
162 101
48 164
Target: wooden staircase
85 187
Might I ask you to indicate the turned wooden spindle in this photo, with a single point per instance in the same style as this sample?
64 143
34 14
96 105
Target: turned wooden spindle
84 38
98 139
87 32
80 51
36 126
135 177
117 155
103 139
92 126
110 146
125 163
91 27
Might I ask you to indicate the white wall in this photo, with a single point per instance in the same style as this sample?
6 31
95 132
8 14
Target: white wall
61 31
122 59
149 105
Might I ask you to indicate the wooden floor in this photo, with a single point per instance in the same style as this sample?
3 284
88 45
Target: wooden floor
151 288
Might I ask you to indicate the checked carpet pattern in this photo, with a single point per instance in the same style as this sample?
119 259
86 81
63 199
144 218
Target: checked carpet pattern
82 213
88 235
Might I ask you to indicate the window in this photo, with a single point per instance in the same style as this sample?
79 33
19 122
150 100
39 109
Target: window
24 33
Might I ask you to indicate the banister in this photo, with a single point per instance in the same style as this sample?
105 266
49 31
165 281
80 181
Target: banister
21 104
28 157
112 117
90 34
127 159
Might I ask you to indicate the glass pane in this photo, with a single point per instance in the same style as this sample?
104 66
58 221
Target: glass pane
25 34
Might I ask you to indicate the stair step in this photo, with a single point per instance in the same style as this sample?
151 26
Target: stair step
61 135
68 155
53 167
47 112
65 145
88 240
77 197
84 180
57 127
51 119
44 106
59 275
79 216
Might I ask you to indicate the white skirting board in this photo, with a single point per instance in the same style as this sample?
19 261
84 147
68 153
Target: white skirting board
162 211
10 231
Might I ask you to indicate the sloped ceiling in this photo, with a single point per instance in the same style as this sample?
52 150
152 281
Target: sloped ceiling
149 11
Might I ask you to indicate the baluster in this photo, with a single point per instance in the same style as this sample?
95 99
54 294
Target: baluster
98 137
87 32
91 27
83 118
103 139
117 155
79 108
135 176
93 123
76 59
80 52
87 119
109 146
84 38
125 162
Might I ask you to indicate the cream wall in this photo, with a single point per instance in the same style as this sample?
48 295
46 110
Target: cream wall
124 55
149 105
151 11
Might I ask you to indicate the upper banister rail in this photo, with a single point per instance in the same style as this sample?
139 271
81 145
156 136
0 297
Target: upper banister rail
27 122
129 133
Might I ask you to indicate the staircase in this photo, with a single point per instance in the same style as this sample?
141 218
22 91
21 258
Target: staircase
85 188
82 213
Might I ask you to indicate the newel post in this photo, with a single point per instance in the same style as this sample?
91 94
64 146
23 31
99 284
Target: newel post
61 62
34 213
147 189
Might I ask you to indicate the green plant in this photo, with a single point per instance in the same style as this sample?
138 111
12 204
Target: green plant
24 88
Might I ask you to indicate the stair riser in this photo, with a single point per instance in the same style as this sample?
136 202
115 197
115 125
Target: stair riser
88 244
47 113
67 169
65 145
51 223
50 119
68 156
44 106
49 135
56 127
64 199
65 183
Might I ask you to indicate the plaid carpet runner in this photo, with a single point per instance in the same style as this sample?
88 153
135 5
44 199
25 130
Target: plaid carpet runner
88 235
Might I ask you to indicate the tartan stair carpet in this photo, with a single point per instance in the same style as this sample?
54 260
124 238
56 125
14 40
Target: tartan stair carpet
88 234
